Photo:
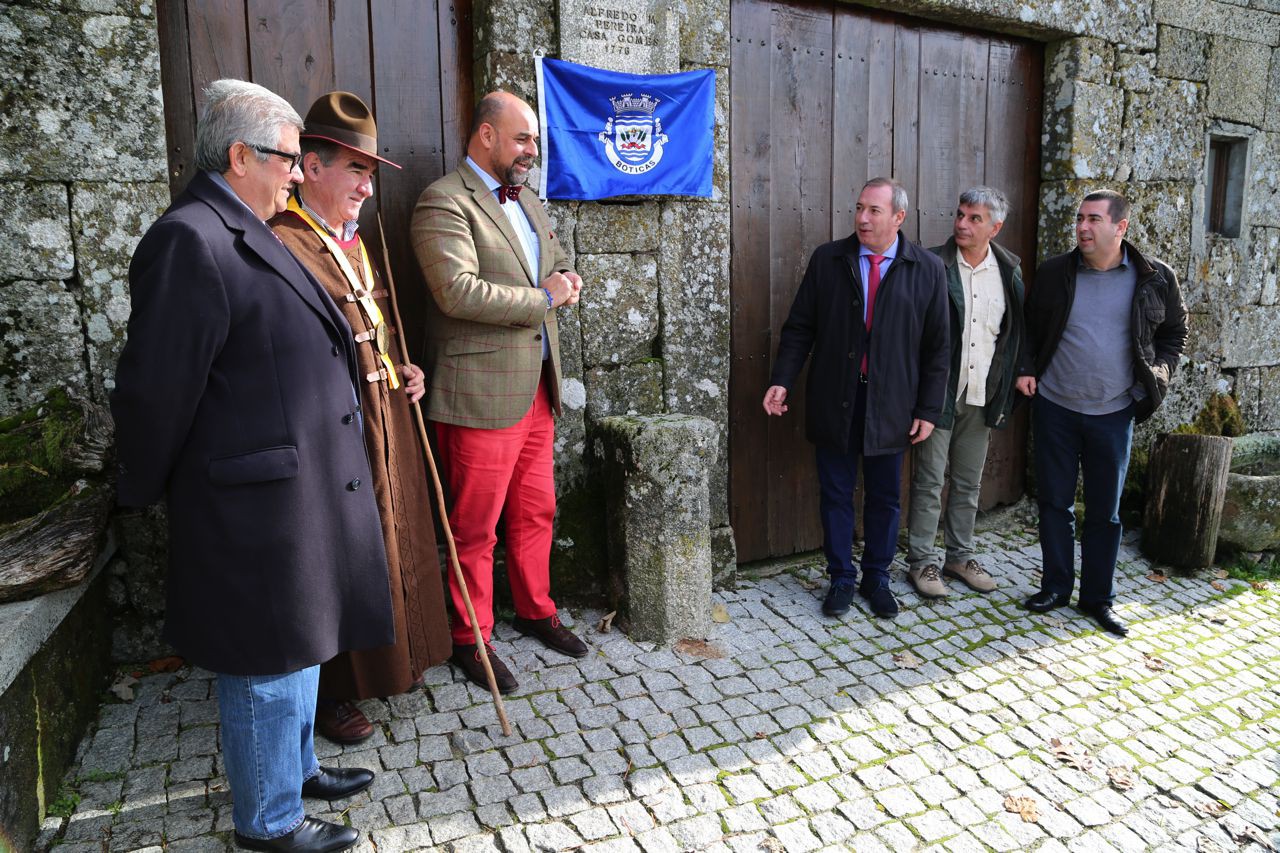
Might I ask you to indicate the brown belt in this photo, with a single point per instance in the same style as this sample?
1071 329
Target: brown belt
377 294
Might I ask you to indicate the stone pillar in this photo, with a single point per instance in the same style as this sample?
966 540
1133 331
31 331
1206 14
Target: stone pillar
657 470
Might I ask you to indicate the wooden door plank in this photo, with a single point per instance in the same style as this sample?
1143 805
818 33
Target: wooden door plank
406 101
179 100
880 88
349 36
936 186
752 343
854 123
906 121
291 49
801 179
219 45
457 95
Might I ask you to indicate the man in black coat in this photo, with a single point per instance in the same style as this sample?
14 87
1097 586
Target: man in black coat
235 401
1106 326
868 395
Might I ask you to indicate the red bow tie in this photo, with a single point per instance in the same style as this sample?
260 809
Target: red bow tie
512 193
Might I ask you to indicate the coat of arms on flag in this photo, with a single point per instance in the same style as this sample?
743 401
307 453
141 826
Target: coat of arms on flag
608 133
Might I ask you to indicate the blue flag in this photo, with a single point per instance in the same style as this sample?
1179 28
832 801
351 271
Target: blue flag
606 133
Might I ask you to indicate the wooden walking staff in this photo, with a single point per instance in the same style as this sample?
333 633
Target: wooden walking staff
444 510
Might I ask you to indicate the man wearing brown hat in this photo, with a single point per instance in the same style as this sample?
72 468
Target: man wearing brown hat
339 145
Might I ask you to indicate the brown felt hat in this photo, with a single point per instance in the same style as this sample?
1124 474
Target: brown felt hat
343 118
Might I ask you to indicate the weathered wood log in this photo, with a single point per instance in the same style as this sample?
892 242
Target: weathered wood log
57 548
1187 481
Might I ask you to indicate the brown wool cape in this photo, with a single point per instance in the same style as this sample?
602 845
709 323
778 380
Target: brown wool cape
402 490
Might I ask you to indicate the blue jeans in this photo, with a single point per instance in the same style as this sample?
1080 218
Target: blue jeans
881 480
1066 444
267 747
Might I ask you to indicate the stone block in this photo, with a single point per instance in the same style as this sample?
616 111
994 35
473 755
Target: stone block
39 245
1087 59
704 33
1204 333
564 223
1182 54
511 72
41 343
108 220
1223 273
638 36
659 522
1081 130
724 558
1251 338
630 389
694 281
1164 131
619 308
1160 225
1238 75
1190 389
1135 71
1264 267
1218 18
57 128
1262 193
519 26
1272 121
626 227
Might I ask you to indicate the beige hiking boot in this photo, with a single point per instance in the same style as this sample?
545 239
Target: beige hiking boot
971 574
927 581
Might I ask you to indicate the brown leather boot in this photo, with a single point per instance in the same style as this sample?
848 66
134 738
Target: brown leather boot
342 722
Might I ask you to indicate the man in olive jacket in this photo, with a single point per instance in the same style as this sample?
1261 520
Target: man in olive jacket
984 281
1105 329
868 395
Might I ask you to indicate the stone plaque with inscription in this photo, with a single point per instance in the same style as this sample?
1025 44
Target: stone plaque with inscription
639 36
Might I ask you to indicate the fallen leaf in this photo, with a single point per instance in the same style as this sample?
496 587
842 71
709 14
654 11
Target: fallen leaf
1205 844
1220 574
1154 663
1121 778
719 614
698 648
173 663
810 584
1071 754
773 845
760 735
1216 585
1023 806
1158 577
1252 833
1259 584
1213 808
605 625
907 660
123 688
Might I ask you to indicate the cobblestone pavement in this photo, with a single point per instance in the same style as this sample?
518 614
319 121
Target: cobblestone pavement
789 731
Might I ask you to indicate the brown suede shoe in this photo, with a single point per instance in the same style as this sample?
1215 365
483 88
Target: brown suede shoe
467 658
553 635
342 722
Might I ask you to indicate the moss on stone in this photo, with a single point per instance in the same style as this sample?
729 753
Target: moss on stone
34 447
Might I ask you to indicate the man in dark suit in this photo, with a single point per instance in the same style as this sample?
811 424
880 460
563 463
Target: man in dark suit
869 394
496 274
235 401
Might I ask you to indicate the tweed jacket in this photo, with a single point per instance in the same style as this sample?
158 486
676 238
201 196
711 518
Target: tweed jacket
486 312
234 400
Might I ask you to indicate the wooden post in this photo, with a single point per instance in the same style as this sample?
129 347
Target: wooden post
1187 482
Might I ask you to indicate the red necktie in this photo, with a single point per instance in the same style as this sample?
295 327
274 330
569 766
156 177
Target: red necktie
873 285
508 192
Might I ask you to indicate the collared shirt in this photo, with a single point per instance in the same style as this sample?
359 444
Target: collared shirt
221 181
864 268
524 232
983 311
348 228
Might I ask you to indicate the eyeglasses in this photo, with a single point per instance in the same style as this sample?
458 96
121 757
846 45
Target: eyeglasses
294 159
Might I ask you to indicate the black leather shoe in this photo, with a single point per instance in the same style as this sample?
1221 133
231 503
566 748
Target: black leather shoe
839 598
553 634
1105 617
312 836
467 659
1043 602
334 783
881 600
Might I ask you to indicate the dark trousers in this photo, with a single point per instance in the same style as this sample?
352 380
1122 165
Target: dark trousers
881 479
1066 444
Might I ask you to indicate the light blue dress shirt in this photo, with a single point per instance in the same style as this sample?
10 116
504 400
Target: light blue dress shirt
864 269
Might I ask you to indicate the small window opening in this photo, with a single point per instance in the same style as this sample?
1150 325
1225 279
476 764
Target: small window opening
1224 186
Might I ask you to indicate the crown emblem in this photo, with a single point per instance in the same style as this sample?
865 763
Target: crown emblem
630 103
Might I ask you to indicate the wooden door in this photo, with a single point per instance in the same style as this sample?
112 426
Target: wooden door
409 60
823 97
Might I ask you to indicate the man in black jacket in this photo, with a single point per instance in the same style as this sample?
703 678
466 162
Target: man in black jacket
1105 329
868 395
